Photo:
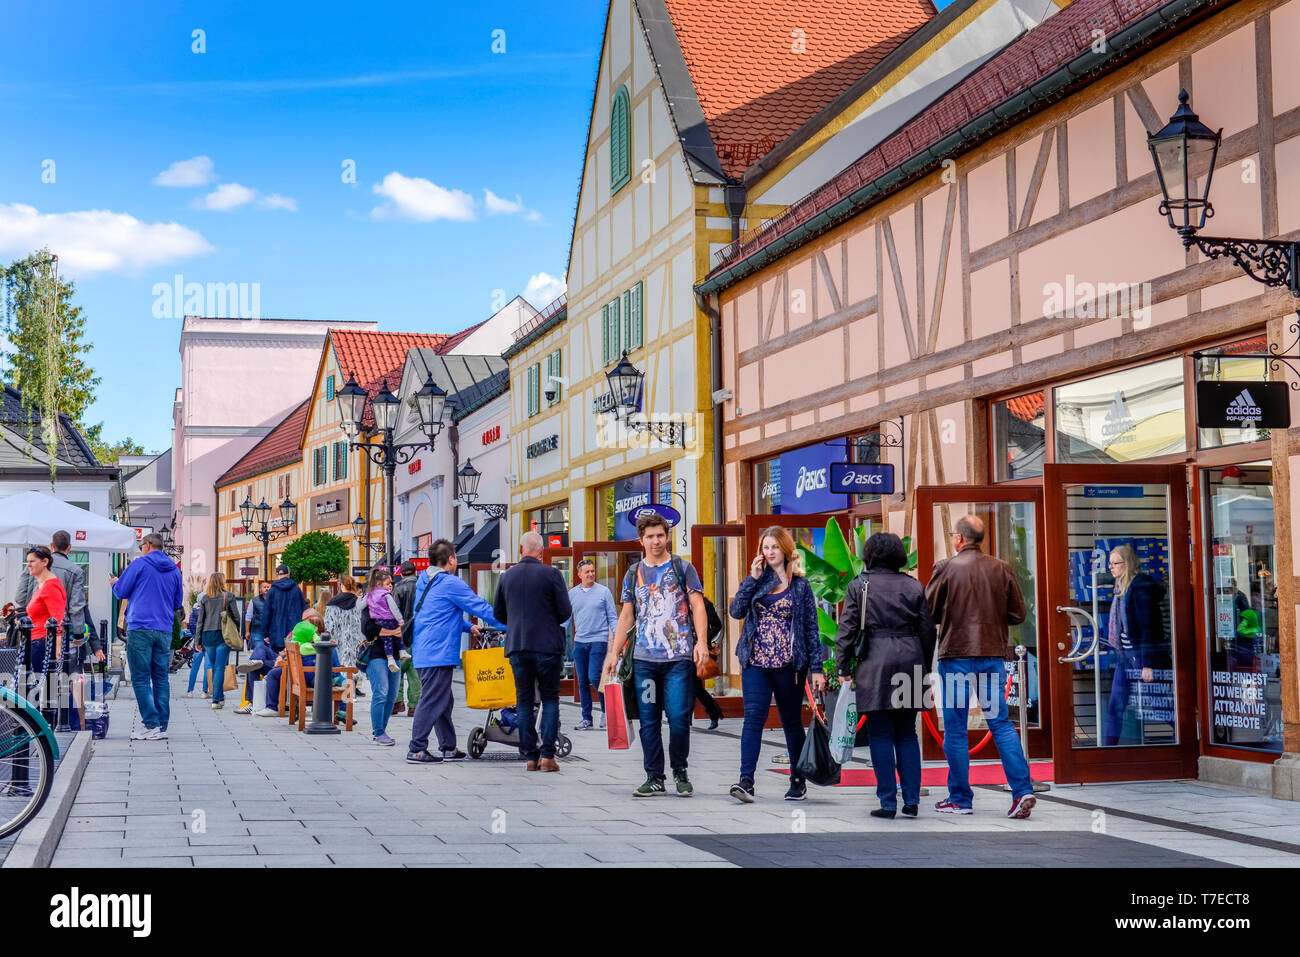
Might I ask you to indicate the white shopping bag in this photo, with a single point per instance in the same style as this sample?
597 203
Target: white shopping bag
259 694
844 725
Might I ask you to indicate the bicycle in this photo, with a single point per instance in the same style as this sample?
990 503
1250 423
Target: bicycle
28 748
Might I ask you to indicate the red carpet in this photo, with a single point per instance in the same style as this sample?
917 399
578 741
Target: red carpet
930 777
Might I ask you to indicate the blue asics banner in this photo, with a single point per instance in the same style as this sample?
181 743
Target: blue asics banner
861 478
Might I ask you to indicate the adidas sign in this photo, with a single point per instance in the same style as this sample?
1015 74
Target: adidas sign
1243 408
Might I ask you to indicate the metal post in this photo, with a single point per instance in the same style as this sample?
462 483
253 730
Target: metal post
1022 693
322 706
390 469
63 686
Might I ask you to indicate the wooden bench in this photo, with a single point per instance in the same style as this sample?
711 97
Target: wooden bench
298 689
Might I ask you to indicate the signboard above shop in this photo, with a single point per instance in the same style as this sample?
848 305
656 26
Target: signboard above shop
667 512
862 478
1243 405
805 478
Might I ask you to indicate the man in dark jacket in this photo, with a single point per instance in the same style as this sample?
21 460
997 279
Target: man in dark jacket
974 597
534 604
404 592
284 607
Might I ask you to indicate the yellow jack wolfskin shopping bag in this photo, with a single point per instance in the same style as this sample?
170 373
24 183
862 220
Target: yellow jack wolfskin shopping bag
489 682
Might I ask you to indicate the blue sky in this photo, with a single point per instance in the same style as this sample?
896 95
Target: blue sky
114 95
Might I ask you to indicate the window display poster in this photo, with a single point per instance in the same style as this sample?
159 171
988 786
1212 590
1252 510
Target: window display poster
1238 699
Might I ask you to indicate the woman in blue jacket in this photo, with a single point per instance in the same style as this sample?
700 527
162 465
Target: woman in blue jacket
778 645
1135 633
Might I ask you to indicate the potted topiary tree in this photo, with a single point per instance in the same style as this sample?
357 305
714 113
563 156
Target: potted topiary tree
316 557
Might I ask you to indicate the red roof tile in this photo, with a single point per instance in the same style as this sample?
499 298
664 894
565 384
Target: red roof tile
1029 59
280 447
365 356
754 89
1027 408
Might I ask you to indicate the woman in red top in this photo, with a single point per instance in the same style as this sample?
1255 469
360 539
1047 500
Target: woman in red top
48 601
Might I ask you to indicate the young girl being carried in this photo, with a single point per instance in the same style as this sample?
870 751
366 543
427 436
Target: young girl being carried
385 613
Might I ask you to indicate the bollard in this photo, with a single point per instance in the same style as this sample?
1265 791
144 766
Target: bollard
322 704
23 666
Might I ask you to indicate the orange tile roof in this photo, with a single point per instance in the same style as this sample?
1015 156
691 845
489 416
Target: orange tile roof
280 447
754 89
365 356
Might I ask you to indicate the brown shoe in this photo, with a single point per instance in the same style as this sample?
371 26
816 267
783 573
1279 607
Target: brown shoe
399 708
549 764
530 766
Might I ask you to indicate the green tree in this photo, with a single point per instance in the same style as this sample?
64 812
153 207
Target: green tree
47 350
316 557
108 452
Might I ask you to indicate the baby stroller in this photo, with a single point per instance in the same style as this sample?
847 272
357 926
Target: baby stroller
503 727
184 655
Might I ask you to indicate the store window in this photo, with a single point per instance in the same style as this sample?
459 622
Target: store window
552 523
616 501
797 482
1122 416
1242 617
1232 363
1019 430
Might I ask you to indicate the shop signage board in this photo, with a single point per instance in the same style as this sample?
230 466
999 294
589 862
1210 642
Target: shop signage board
862 478
541 447
630 495
1242 404
1113 491
360 571
666 511
806 480
330 509
248 571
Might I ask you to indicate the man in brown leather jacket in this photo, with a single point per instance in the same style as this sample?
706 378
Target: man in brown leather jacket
974 597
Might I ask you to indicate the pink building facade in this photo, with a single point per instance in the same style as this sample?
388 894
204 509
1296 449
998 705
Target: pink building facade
990 303
239 379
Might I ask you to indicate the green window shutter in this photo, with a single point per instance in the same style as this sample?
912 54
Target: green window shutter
625 310
343 457
553 369
604 335
637 337
329 389
534 390
615 326
620 141
315 466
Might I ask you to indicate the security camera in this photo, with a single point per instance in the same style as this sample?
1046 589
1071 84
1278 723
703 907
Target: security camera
552 384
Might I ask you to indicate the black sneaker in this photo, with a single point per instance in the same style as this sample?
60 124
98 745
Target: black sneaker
653 787
713 724
798 791
423 757
910 810
743 791
453 755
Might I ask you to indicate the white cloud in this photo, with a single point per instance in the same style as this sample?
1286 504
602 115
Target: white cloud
411 197
495 204
543 289
195 171
225 197
276 201
230 196
96 240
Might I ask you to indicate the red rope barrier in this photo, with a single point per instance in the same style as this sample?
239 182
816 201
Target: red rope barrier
988 735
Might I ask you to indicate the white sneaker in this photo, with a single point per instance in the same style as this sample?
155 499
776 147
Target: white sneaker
190 694
267 713
158 735
218 705
204 694
142 734
602 722
246 709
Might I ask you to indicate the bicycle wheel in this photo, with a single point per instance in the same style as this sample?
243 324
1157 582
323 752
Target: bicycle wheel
26 770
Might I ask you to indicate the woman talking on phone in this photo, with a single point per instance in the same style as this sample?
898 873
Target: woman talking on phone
779 643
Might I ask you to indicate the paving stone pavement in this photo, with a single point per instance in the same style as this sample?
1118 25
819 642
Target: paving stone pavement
228 790
65 740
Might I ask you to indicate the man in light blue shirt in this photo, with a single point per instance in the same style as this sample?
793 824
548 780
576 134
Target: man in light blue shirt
594 618
442 599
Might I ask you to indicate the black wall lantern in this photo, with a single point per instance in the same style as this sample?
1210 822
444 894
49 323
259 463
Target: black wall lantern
467 480
626 386
1184 152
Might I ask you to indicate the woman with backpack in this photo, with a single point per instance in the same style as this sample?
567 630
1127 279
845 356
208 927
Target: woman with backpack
887 607
778 645
215 603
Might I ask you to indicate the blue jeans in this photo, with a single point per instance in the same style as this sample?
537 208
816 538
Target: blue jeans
895 749
665 686
982 681
276 675
532 668
384 685
588 661
216 653
759 686
148 653
1121 683
198 666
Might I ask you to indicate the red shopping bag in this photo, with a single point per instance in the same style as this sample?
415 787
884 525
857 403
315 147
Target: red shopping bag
616 717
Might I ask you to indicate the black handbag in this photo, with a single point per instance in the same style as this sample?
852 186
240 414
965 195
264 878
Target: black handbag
815 762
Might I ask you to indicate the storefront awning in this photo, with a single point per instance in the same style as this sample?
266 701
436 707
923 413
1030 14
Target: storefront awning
482 546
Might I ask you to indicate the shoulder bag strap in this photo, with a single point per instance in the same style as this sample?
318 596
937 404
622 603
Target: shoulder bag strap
424 594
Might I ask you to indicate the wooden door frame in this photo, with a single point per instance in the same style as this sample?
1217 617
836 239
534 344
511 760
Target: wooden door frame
1137 762
928 496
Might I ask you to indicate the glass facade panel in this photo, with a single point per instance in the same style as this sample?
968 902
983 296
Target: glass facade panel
1225 365
1122 416
1019 436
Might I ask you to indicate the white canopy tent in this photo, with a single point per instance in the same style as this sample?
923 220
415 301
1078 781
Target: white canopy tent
32 518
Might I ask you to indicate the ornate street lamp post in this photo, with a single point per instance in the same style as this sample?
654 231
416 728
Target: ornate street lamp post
467 480
260 515
387 454
626 385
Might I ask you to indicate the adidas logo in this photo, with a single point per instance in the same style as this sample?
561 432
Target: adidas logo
1243 408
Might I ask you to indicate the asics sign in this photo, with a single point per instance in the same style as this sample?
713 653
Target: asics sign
861 478
1237 405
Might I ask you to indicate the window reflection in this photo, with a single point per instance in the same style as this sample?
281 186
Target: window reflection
1123 416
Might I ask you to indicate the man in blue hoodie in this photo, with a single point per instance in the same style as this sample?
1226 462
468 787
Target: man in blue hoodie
284 607
152 588
442 600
